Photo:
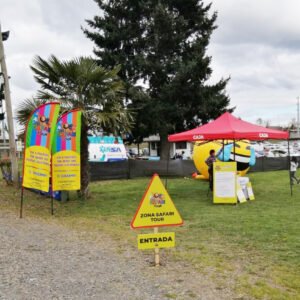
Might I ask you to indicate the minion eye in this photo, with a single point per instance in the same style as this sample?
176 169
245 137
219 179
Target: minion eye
248 148
237 145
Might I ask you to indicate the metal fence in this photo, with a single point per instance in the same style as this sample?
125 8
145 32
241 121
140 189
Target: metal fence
144 168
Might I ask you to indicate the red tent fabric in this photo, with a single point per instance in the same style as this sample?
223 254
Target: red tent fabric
228 127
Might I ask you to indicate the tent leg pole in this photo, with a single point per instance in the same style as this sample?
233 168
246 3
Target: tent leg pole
234 149
289 166
223 149
168 161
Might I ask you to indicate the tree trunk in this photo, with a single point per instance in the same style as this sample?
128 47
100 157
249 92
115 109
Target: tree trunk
84 160
164 147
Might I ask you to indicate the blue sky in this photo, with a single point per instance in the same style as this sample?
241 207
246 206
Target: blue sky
257 44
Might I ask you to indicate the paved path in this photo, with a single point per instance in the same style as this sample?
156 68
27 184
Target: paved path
40 260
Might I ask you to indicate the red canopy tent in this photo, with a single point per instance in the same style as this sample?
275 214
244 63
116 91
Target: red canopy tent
228 127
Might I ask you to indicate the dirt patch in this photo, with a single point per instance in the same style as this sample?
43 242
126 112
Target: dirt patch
41 259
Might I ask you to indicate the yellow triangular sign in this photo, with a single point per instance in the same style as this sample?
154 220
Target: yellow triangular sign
156 208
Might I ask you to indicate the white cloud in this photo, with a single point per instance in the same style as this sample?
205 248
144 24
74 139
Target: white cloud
41 27
257 43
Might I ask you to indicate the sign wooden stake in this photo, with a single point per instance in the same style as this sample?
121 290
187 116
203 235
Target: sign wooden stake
156 251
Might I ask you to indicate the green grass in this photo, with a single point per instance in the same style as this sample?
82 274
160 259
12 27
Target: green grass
254 247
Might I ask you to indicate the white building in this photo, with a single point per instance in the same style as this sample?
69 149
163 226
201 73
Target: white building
5 148
180 148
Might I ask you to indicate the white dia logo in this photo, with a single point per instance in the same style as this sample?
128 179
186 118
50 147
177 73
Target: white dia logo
198 137
263 135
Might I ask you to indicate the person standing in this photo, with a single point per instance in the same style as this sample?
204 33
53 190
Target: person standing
293 170
210 161
182 155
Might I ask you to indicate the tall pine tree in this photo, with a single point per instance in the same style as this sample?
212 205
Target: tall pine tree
161 45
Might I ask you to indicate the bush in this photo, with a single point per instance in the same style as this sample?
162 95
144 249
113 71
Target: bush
5 165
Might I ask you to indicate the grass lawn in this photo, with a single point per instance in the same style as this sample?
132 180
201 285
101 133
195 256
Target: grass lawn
254 247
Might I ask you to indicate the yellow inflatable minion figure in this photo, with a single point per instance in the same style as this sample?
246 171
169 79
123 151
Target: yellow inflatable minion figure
201 153
240 151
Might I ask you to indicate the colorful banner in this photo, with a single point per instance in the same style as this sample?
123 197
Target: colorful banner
66 152
39 136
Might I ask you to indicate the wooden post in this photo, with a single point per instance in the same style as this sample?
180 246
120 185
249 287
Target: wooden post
156 251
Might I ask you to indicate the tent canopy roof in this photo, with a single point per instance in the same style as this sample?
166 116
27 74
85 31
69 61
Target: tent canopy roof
228 127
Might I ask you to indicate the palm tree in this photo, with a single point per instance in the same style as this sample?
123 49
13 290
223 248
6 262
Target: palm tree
81 83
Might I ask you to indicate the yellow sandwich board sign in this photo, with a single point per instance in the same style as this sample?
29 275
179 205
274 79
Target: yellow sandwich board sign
225 182
156 240
156 208
250 191
240 194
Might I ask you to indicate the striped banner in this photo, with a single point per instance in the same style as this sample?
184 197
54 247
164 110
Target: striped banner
38 142
66 152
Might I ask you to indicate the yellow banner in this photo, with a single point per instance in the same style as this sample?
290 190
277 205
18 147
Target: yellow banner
224 182
66 171
156 240
37 168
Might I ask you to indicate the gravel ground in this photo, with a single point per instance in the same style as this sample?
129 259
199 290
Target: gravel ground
43 260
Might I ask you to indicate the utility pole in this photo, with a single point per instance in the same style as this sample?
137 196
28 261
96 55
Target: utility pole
10 122
2 97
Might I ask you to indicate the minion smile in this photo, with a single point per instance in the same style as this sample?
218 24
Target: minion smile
232 153
240 158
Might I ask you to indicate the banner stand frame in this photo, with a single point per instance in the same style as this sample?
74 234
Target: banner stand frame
24 157
24 153
21 203
289 167
51 173
52 210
